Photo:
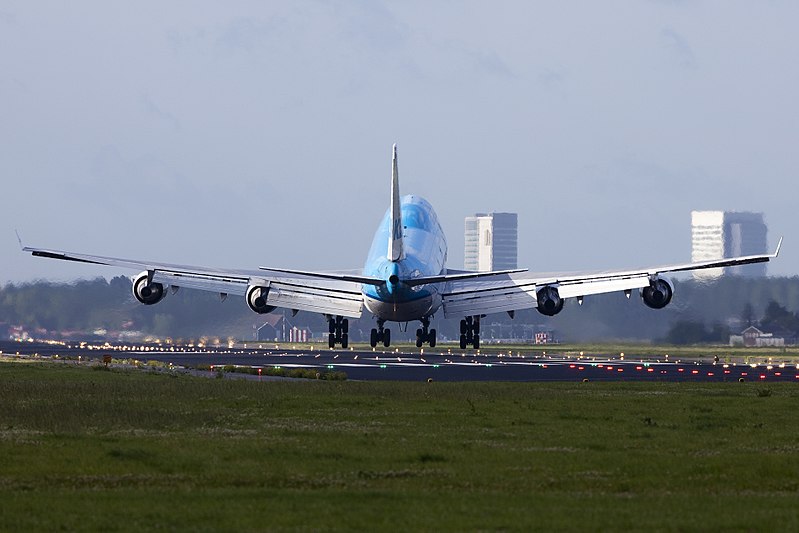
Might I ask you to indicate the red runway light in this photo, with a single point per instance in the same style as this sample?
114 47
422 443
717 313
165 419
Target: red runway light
694 371
650 369
762 376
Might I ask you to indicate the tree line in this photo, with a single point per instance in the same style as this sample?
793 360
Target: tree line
699 312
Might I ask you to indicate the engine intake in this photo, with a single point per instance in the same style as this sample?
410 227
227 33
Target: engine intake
256 300
147 292
658 294
549 301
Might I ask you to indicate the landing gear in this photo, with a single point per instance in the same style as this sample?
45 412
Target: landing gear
424 335
380 335
339 329
470 332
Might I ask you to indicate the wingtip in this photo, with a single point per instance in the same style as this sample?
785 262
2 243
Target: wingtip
779 245
19 240
394 150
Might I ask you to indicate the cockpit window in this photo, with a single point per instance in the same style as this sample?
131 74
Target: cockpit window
415 217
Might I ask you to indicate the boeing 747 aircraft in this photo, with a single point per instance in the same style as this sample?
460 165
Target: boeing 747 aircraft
405 279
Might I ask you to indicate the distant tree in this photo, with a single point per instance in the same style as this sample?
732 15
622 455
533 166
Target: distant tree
687 332
778 318
748 314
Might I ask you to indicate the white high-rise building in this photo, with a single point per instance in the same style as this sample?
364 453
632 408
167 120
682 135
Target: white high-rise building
719 234
491 241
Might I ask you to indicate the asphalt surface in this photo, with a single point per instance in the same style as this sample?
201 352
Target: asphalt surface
436 365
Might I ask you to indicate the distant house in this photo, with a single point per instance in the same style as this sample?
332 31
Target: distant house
753 337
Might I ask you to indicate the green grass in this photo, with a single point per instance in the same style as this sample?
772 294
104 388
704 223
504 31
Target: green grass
117 451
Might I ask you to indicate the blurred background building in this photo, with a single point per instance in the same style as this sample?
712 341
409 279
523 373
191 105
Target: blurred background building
491 241
720 234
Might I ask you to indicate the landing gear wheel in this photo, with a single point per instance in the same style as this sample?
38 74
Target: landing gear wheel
432 338
345 340
373 338
464 327
345 326
331 341
476 342
463 342
386 338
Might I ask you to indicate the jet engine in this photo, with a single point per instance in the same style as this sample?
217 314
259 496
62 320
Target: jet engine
147 292
658 294
256 300
549 301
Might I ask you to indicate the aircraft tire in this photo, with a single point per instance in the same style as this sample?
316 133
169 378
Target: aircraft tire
386 338
331 341
463 342
373 338
432 338
345 326
345 340
476 342
463 327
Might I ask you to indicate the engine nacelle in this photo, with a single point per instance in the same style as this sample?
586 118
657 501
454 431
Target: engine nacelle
658 294
549 301
146 292
256 300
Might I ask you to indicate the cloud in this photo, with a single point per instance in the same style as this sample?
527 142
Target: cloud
152 109
679 47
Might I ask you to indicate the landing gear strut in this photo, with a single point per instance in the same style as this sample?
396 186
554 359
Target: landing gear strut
470 332
424 335
339 332
380 335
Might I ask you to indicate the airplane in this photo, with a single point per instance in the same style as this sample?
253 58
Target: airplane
405 279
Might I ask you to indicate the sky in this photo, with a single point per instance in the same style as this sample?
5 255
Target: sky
240 134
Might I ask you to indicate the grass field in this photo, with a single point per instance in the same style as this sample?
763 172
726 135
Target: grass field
117 450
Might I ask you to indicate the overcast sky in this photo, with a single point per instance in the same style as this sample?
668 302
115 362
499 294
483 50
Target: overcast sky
239 134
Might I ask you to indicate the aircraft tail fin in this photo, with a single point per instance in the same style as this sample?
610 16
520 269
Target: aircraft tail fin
395 248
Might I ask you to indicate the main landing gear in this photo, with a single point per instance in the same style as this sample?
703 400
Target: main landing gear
339 332
470 332
423 335
380 335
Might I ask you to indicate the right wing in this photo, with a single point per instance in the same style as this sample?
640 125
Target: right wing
318 292
512 292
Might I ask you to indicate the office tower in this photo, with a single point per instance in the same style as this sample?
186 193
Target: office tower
719 234
491 241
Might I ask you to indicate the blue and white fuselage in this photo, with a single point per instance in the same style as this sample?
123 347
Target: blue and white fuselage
423 254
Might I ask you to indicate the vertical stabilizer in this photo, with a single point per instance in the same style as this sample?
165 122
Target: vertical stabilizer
395 250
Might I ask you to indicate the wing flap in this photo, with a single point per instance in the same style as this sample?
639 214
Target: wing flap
489 300
314 299
234 286
599 286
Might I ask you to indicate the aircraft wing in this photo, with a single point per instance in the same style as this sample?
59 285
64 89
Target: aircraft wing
511 292
326 293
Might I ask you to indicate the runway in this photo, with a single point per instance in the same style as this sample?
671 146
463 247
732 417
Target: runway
439 365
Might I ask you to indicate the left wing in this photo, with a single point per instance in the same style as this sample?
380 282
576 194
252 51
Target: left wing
319 292
511 292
